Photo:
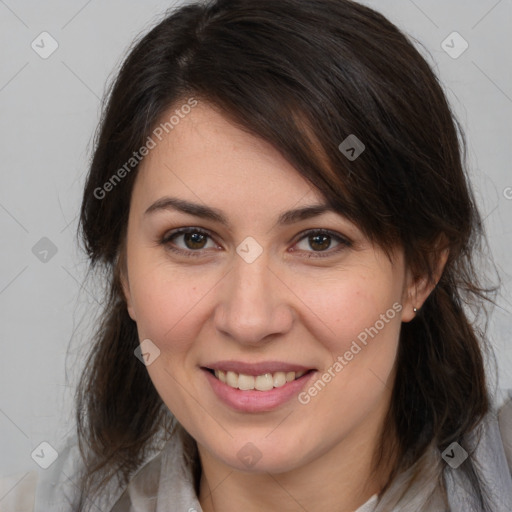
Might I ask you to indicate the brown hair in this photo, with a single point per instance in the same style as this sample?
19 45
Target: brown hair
302 75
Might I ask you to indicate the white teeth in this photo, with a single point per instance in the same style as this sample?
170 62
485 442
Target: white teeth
264 382
232 379
245 382
279 379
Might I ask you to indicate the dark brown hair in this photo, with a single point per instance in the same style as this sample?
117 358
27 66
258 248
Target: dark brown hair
302 75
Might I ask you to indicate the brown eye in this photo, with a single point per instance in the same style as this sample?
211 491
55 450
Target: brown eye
188 241
195 240
319 241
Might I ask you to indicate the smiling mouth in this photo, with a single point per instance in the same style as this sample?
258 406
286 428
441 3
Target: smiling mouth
264 382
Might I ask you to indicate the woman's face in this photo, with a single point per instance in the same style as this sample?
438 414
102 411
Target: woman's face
257 290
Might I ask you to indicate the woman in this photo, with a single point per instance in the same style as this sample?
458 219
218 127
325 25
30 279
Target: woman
278 199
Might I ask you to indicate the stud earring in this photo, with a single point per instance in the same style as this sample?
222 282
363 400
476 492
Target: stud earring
415 310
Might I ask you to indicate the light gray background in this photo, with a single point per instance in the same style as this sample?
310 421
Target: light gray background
50 109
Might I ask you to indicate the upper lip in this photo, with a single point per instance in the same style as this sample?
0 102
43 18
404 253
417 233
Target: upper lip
255 369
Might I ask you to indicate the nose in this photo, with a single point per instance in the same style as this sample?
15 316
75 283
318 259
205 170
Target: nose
254 304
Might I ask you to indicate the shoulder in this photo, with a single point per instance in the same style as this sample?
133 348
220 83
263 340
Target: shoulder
18 491
489 447
160 476
492 438
43 489
505 426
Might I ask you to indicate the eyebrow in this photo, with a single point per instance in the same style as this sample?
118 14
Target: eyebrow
207 212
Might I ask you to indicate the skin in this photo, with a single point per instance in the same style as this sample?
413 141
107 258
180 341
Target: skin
288 305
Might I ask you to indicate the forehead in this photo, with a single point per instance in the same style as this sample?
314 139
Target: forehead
207 157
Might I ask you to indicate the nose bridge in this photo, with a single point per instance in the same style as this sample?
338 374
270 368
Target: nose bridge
253 305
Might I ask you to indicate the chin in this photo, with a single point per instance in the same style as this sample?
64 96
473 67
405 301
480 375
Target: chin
257 457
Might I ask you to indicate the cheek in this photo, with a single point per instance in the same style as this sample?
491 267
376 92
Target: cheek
351 306
169 305
171 309
357 320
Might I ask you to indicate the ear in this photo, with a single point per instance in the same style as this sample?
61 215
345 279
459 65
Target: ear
122 274
127 295
417 289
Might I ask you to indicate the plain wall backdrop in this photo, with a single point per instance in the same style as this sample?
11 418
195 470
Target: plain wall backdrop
50 106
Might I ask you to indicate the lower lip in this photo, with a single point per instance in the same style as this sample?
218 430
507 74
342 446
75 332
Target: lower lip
254 400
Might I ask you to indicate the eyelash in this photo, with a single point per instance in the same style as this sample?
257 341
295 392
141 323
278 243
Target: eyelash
343 242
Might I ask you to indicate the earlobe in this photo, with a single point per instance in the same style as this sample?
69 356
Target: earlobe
128 298
121 276
415 296
417 291
125 285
